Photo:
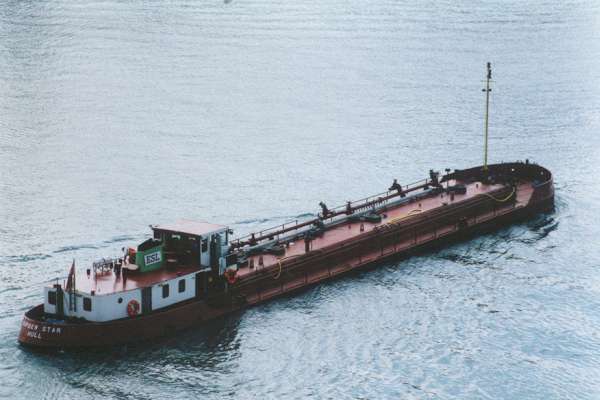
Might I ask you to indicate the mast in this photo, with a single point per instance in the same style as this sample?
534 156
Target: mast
487 91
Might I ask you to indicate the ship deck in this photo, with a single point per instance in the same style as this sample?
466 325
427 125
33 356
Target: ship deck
349 230
107 282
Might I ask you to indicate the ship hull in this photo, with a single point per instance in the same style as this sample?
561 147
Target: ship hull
41 333
380 246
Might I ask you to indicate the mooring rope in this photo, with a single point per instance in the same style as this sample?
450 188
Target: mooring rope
279 260
394 220
514 189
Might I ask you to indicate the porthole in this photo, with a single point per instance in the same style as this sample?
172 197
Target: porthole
120 300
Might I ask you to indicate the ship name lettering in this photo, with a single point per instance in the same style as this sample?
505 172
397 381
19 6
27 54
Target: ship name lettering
33 334
31 326
51 329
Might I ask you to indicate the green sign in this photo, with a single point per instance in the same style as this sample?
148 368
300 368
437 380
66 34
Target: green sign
151 259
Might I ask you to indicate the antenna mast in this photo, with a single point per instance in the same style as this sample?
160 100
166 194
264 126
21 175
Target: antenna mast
487 91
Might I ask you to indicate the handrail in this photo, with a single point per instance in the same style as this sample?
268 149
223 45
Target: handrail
356 205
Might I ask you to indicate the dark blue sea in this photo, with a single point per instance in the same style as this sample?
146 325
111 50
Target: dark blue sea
119 114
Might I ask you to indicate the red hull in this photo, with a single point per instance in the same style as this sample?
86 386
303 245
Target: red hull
295 275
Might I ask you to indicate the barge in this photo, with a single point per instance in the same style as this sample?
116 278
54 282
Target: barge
191 272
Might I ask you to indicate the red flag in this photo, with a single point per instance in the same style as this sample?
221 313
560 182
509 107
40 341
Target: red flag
71 278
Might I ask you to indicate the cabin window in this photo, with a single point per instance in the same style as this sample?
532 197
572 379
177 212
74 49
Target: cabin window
52 298
87 304
182 285
204 245
165 290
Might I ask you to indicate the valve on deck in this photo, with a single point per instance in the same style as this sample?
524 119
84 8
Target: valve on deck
398 187
349 209
434 178
325 211
306 243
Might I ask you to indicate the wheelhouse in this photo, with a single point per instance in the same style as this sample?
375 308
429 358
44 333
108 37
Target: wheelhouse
186 242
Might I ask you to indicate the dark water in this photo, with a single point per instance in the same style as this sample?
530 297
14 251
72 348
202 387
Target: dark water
118 114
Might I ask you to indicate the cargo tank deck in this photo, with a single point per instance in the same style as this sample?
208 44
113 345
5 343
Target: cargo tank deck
348 230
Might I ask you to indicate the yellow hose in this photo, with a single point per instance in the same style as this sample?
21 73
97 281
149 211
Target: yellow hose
504 199
278 272
394 220
279 260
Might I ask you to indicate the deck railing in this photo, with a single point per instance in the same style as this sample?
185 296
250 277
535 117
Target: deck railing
334 214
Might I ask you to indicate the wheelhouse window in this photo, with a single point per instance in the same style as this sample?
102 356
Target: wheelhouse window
165 291
87 304
204 245
52 298
181 286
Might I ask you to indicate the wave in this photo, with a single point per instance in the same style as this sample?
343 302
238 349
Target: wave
75 247
24 258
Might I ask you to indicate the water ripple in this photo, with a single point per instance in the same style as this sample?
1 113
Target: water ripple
120 114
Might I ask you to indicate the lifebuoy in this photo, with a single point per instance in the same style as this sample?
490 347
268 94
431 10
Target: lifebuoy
133 308
230 276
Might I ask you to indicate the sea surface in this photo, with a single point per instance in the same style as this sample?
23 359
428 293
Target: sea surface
119 114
